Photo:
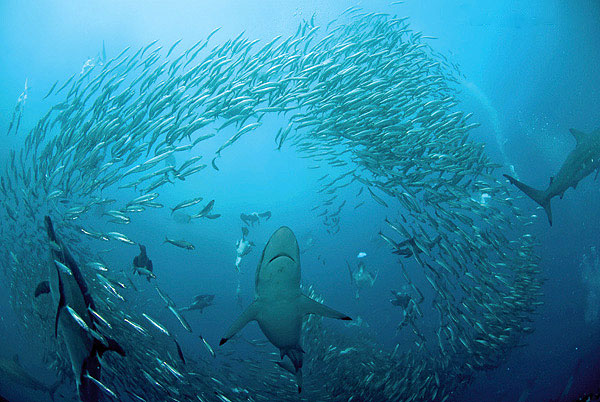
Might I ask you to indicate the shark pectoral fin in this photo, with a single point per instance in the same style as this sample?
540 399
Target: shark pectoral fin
247 316
42 288
579 135
309 306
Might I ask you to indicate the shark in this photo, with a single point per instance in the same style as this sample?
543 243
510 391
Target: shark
279 305
11 372
580 163
74 319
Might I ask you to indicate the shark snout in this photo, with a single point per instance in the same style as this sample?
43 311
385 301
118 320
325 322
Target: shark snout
282 243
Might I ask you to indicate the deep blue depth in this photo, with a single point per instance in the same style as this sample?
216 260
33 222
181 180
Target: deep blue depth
530 73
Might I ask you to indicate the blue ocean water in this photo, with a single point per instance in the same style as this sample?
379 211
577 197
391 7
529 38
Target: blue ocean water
529 72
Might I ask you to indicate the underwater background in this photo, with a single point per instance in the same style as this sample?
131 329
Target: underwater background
528 71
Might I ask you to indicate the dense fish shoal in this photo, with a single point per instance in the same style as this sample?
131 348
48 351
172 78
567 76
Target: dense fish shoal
367 99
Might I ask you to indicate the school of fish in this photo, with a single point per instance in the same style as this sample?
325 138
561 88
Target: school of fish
363 96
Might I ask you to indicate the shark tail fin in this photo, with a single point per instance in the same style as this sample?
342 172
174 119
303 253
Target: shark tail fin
248 315
296 355
53 388
310 306
536 195
289 367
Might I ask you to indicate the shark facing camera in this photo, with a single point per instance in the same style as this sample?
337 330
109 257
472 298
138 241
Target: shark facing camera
279 305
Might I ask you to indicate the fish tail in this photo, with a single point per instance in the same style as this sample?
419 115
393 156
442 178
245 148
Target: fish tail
537 195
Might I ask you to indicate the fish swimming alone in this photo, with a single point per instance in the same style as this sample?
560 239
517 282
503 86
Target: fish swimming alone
180 243
77 324
200 302
279 305
582 161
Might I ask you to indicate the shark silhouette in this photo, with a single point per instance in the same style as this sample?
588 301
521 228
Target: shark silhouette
12 372
278 304
580 163
74 302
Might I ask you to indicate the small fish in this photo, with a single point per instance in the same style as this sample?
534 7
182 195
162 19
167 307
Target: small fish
180 243
78 319
63 267
97 266
214 165
136 326
205 210
376 198
143 199
120 237
158 325
103 387
180 318
171 369
144 272
50 91
179 351
186 203
207 346
173 47
99 318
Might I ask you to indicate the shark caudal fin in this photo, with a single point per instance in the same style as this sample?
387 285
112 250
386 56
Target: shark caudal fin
537 195
289 367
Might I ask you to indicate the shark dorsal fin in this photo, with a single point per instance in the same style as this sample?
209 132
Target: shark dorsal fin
579 135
